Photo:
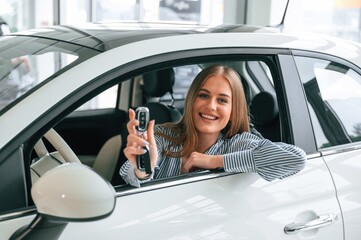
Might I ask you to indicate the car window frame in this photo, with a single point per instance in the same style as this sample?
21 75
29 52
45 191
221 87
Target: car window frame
296 103
125 72
12 172
341 147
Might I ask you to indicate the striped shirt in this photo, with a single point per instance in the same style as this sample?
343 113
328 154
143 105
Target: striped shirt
244 152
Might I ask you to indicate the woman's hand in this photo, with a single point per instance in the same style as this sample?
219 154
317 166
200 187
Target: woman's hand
135 144
201 161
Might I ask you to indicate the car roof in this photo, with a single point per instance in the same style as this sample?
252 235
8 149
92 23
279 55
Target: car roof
105 36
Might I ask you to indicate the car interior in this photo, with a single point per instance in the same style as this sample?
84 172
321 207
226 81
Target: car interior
97 137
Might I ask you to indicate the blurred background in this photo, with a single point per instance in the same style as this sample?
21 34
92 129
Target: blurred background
340 18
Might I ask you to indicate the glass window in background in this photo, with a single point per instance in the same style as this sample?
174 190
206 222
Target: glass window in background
339 18
75 12
22 15
208 12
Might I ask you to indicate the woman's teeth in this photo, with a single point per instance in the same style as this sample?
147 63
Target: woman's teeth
208 117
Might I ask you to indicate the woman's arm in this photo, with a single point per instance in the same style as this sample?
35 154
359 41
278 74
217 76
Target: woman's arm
270 160
127 172
202 161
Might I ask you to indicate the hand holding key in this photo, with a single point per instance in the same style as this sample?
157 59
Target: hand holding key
141 143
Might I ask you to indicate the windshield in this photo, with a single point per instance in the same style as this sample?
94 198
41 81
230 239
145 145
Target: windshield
25 62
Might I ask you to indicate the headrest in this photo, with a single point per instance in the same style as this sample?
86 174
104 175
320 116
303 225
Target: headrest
162 113
264 108
158 83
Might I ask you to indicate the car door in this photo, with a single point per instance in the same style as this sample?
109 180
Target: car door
218 206
221 206
333 89
215 205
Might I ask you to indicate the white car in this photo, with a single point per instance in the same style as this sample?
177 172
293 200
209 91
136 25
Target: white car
301 89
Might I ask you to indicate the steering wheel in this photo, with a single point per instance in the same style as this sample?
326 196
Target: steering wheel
59 144
48 161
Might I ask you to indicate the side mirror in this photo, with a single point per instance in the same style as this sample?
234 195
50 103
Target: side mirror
68 193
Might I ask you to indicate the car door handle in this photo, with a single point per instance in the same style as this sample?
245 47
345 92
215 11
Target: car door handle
321 221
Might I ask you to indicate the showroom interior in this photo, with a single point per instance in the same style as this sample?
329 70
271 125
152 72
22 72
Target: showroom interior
340 18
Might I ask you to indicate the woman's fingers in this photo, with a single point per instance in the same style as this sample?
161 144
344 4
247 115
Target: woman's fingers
153 151
133 140
132 122
131 151
150 132
187 168
195 160
135 146
131 114
202 161
187 165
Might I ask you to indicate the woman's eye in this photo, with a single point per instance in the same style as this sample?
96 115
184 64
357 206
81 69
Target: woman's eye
203 95
222 100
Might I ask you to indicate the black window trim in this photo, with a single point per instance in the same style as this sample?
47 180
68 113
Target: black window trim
295 100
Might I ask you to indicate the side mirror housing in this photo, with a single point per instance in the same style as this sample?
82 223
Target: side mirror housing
70 192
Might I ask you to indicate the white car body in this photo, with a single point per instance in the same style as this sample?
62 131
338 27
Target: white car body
213 205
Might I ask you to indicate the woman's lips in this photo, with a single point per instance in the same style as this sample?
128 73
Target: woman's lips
208 117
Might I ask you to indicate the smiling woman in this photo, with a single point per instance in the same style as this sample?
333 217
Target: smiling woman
213 133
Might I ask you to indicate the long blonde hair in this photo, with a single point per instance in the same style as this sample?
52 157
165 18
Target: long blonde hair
185 129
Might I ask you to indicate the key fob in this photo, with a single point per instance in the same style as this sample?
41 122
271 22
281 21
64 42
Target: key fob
143 161
142 115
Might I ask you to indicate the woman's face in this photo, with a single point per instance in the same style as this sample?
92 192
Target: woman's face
213 106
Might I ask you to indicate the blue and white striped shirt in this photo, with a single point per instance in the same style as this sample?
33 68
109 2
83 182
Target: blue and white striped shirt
245 152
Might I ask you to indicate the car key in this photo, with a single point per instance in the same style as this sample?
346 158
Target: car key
143 161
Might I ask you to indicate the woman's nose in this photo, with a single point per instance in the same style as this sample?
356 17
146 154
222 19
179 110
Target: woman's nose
212 104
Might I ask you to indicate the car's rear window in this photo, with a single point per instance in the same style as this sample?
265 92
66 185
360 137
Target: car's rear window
25 62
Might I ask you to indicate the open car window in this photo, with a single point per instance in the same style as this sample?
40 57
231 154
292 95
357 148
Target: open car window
98 135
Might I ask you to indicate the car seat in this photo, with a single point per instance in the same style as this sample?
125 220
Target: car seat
107 157
265 115
154 85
